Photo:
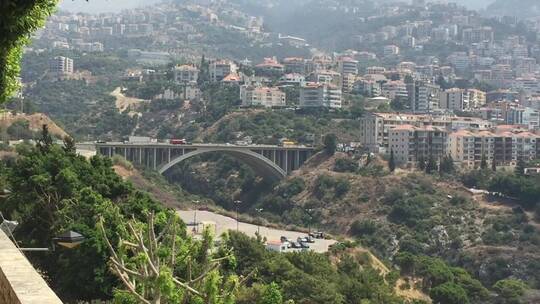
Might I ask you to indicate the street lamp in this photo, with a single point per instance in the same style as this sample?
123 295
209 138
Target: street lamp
237 204
68 239
195 227
308 212
259 210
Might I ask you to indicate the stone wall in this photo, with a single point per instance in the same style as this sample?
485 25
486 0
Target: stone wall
19 281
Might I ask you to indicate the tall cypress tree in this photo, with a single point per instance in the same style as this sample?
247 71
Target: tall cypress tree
392 162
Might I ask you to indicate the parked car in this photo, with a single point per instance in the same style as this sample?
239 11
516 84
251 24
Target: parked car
295 245
317 235
310 239
302 239
283 239
304 245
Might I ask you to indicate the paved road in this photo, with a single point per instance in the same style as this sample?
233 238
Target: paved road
224 223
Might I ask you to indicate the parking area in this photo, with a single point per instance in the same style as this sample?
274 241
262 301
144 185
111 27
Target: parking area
224 224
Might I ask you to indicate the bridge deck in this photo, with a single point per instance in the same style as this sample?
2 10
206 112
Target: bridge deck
208 145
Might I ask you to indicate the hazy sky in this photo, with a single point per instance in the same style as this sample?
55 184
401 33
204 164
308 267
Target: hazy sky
102 6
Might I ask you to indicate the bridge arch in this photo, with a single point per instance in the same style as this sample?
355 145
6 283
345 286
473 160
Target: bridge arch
260 164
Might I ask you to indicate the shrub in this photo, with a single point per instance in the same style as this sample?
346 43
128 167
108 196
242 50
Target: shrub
345 165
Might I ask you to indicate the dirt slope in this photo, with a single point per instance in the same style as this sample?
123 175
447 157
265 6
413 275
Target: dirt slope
36 121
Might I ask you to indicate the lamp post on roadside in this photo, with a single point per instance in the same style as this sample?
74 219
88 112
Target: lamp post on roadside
237 204
259 210
308 212
195 227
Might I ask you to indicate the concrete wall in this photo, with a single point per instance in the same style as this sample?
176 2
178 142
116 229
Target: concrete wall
19 281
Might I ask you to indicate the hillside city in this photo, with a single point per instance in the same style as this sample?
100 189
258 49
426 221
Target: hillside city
270 152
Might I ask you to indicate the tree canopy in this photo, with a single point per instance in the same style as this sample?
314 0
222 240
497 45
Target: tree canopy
18 20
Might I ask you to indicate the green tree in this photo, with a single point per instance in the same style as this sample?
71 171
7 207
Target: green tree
272 295
449 293
69 145
45 142
421 163
494 165
20 18
157 263
330 143
483 162
431 165
392 162
510 290
520 167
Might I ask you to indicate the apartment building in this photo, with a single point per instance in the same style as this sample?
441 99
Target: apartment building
347 65
185 74
294 65
222 68
375 127
314 94
454 99
504 146
423 97
411 143
61 65
262 96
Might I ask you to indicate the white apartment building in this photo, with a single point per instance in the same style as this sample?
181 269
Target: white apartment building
505 147
262 96
391 50
222 68
320 95
411 143
61 65
375 127
185 74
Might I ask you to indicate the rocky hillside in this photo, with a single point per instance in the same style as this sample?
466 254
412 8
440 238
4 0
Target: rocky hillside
34 121
393 213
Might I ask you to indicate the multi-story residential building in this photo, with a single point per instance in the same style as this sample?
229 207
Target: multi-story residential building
391 50
347 82
185 74
395 90
347 65
454 99
410 143
326 76
314 94
270 67
423 97
294 65
262 96
292 79
502 146
479 34
375 127
476 98
519 115
61 65
222 68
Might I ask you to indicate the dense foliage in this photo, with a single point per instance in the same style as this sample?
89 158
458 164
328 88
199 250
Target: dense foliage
18 19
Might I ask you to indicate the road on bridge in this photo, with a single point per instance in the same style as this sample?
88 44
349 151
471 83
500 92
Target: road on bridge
224 224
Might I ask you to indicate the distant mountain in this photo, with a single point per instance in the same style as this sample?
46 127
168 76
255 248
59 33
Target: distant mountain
521 8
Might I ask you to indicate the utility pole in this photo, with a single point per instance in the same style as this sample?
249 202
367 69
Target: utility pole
308 211
195 227
237 204
259 210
